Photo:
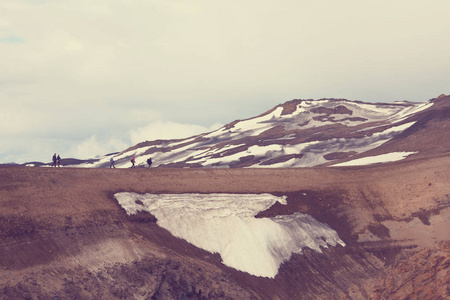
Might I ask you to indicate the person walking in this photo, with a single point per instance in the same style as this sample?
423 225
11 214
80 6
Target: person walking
58 160
149 161
112 163
54 160
133 161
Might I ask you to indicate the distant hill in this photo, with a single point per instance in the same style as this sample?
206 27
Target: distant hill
305 133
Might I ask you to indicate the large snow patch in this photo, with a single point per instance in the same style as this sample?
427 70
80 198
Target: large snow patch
382 158
226 224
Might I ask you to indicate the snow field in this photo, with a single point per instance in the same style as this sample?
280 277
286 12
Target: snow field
388 157
313 152
405 113
226 224
202 152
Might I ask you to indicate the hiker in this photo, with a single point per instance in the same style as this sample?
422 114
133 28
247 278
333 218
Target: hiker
112 163
149 161
58 159
54 161
133 161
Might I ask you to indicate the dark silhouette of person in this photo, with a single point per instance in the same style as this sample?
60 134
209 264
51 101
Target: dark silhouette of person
149 161
54 161
112 163
133 161
58 159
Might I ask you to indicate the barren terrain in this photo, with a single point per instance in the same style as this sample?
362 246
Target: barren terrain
64 236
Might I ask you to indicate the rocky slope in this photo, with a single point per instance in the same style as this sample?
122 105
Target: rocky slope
63 234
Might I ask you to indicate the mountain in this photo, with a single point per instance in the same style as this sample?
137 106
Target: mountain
314 199
306 133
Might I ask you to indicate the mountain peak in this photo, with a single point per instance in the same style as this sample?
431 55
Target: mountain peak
441 96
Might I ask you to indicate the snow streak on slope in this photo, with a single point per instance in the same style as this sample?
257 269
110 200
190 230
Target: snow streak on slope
394 156
226 224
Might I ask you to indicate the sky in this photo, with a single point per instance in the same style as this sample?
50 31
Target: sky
87 78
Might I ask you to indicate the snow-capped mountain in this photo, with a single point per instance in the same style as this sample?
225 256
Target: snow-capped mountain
303 133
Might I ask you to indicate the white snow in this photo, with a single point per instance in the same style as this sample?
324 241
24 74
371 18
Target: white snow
398 128
366 111
257 125
263 150
286 164
224 160
209 151
313 151
226 224
173 144
142 150
393 156
410 110
198 153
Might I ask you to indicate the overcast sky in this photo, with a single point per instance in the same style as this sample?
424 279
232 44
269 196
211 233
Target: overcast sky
89 77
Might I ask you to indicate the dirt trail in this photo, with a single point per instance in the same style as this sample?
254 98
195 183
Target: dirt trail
63 235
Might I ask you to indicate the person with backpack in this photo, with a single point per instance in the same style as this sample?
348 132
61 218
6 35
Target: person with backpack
133 161
112 163
54 160
149 161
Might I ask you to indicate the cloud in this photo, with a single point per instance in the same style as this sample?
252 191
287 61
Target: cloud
21 150
71 71
92 147
168 130
39 147
178 51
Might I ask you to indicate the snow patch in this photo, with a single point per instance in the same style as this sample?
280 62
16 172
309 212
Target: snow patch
226 224
410 110
393 156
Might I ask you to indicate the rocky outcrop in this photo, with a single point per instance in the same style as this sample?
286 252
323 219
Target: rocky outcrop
422 275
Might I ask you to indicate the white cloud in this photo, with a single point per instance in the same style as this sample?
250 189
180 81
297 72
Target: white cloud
168 130
91 147
177 50
82 67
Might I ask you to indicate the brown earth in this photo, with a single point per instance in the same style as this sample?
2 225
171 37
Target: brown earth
63 235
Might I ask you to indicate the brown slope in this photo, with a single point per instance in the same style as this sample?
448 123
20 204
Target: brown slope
63 234
430 134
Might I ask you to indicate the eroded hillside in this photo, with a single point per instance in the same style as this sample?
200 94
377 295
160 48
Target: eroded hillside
64 235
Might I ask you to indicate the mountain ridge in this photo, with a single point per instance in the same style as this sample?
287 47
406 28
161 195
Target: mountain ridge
301 133
336 120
